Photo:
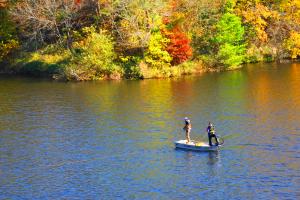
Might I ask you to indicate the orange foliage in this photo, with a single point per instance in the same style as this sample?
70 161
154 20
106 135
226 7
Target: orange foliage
3 3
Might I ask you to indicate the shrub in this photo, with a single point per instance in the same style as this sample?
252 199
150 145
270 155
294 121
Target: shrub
38 68
253 54
208 60
185 68
94 55
130 65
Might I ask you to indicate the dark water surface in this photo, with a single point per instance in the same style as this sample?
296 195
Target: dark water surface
114 140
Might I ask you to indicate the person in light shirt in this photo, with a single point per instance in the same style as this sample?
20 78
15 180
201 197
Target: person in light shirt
187 127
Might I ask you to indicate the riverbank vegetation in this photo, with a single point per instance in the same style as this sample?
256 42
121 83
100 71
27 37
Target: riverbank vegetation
101 39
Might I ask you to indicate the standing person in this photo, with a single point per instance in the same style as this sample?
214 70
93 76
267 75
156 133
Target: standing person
187 127
211 134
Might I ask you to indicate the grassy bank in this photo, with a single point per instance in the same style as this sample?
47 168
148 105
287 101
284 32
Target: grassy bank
65 65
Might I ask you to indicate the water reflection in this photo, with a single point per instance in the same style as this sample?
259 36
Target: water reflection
108 140
190 157
295 85
213 157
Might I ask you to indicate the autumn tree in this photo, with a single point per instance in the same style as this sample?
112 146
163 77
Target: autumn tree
179 46
291 26
268 25
134 21
156 54
230 38
46 21
258 17
198 19
8 40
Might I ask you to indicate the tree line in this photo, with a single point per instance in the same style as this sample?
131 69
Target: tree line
99 39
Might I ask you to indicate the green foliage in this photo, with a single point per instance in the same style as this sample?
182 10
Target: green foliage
229 5
230 29
157 56
38 68
230 36
231 55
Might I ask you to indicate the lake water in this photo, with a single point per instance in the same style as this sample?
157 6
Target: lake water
114 139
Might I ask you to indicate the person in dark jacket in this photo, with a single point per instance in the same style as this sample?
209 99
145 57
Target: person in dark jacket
211 134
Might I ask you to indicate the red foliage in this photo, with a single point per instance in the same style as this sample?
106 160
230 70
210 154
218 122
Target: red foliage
77 2
166 20
179 47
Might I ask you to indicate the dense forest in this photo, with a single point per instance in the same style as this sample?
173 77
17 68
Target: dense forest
114 39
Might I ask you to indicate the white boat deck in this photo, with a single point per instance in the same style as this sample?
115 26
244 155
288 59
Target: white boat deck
196 146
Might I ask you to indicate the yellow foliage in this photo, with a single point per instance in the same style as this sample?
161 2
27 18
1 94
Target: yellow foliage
293 44
292 10
157 56
177 71
258 17
49 58
51 54
7 47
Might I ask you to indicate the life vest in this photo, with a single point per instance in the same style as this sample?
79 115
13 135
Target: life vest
211 130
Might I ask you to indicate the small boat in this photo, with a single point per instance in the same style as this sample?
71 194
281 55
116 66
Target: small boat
196 146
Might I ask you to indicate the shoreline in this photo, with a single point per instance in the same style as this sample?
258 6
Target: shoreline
56 77
199 70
